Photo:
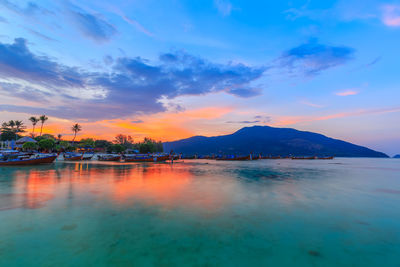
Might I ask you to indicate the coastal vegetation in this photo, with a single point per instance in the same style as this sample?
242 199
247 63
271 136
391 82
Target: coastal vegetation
14 129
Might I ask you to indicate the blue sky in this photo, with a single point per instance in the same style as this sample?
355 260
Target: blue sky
171 69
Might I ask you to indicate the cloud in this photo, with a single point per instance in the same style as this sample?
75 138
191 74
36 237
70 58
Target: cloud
133 86
23 92
116 10
257 119
373 62
137 121
29 10
307 119
391 15
243 122
92 26
16 61
312 57
224 7
137 25
40 35
347 92
310 104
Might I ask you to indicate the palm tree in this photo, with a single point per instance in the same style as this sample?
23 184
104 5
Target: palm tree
19 127
34 121
11 124
59 137
76 128
42 119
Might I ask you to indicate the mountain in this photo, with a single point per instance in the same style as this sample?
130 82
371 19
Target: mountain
270 141
397 156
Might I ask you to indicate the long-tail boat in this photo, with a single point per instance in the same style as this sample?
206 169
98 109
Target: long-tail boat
304 157
150 158
325 157
72 157
109 157
17 161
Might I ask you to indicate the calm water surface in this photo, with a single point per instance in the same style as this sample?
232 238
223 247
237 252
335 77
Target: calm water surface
202 213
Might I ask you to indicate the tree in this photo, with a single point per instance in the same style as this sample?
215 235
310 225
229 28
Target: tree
46 144
42 119
59 137
102 144
118 148
124 140
45 136
65 145
6 132
49 136
9 130
150 146
19 127
8 135
29 146
34 121
76 128
87 142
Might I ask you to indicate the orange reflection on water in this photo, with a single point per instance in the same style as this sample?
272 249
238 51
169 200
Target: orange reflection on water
165 185
157 184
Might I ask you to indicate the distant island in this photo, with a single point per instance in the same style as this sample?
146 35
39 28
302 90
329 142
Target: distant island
397 156
271 141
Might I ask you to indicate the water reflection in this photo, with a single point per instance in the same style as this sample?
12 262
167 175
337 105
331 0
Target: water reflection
163 185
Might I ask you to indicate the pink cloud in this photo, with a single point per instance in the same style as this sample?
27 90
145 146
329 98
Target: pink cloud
391 15
347 93
292 120
310 104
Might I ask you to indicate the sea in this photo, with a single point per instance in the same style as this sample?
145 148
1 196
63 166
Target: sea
273 212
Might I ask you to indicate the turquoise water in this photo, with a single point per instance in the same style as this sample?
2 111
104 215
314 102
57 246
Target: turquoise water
341 212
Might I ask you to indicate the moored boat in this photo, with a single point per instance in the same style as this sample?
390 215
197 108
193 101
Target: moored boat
18 161
146 158
109 157
304 157
325 157
72 156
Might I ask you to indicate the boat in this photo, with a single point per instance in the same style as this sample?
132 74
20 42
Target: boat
87 156
325 157
18 161
72 157
109 157
145 158
304 157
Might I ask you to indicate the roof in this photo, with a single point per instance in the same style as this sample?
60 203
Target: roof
25 139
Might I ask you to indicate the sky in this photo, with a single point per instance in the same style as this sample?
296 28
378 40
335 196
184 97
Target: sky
177 68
